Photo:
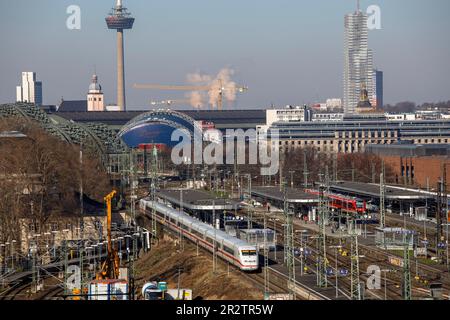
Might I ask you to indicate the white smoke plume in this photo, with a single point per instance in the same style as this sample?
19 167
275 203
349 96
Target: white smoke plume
196 99
221 83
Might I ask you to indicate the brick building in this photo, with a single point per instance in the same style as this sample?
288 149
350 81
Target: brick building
415 164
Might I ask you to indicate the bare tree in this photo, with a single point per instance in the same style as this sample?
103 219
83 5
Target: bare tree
39 176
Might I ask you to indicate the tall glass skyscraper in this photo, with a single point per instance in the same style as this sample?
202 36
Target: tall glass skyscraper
358 61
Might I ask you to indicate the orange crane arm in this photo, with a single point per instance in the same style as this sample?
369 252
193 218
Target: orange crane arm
108 200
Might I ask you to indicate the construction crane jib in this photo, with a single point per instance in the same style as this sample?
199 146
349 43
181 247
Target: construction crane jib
240 89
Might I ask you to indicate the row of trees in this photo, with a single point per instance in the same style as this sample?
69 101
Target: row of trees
40 176
360 167
409 107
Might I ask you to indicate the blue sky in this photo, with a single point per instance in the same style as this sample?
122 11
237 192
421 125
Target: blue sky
285 51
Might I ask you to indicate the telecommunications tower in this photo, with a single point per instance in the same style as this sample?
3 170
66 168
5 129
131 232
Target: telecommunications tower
120 19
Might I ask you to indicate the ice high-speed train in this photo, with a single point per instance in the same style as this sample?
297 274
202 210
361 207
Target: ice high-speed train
236 251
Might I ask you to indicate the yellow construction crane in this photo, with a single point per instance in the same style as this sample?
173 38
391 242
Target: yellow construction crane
169 102
240 89
110 267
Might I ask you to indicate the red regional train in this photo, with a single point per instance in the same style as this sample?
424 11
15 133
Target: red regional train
344 203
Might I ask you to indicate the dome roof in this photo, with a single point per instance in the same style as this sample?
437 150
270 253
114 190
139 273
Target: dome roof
94 86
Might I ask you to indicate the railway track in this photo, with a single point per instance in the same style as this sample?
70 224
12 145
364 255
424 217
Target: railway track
52 293
22 291
344 262
16 290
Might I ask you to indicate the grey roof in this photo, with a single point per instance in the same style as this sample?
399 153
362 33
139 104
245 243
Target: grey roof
222 119
12 134
197 200
410 150
373 190
292 195
109 118
73 106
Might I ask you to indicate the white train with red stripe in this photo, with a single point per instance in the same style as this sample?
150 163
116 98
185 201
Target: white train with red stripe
236 251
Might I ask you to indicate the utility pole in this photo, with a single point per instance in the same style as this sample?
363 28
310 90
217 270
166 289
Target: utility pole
266 260
382 201
214 241
406 268
442 207
81 186
322 267
305 170
289 244
249 209
180 230
154 186
354 269
281 170
66 265
33 256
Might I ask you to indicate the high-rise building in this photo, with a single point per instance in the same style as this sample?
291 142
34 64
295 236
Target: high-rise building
358 60
95 98
379 88
30 90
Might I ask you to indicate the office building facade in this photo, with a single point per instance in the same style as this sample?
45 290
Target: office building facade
358 61
30 90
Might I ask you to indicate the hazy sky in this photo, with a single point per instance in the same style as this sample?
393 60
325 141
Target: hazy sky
285 51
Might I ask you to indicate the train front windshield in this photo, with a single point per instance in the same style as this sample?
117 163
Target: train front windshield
360 204
248 253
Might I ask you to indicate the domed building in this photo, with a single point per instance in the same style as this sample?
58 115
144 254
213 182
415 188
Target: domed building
157 127
95 99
